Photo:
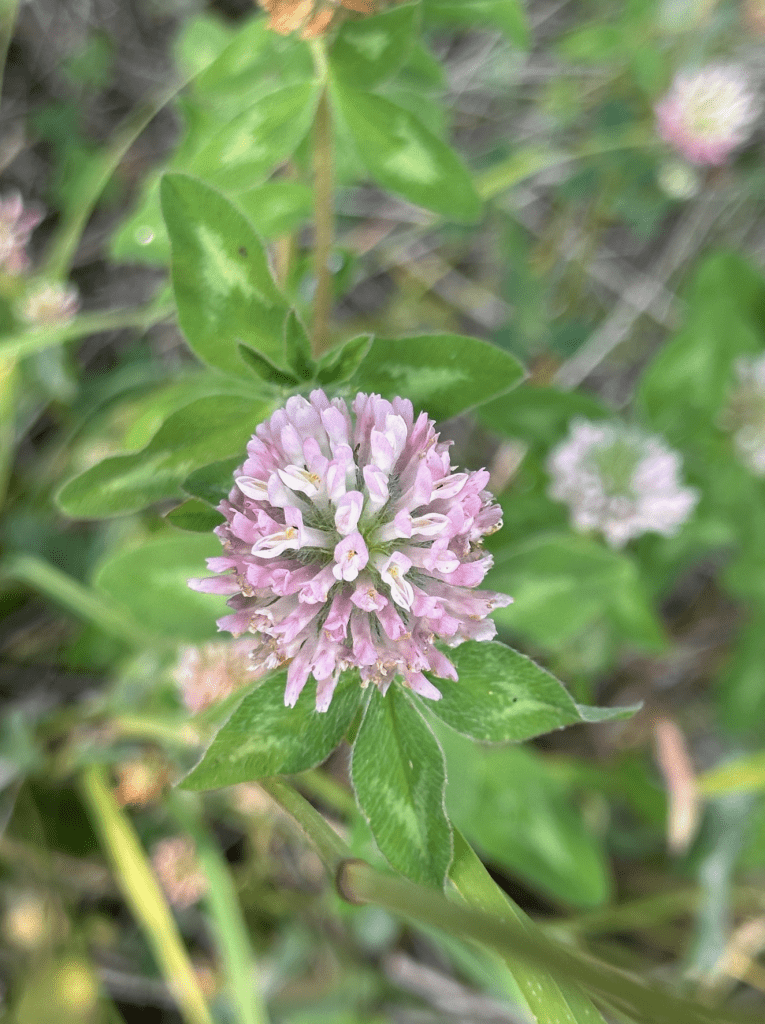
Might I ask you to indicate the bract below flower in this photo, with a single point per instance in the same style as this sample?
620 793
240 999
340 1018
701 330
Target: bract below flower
350 542
619 481
708 114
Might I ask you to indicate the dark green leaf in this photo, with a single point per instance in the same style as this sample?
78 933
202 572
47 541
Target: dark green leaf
298 347
403 156
223 285
213 483
195 516
263 737
565 583
151 580
372 50
398 773
507 15
186 440
503 696
265 369
250 146
524 820
684 387
444 374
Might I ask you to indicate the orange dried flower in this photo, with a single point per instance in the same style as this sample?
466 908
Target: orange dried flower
312 17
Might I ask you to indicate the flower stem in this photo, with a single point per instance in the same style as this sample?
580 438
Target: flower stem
143 894
323 187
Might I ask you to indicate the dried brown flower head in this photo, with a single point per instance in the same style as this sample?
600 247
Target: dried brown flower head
311 17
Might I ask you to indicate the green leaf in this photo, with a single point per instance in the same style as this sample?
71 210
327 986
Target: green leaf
195 516
252 144
402 155
507 15
223 285
298 347
444 374
502 696
264 738
524 820
564 583
209 427
340 363
151 580
213 483
399 776
277 207
372 50
688 380
265 369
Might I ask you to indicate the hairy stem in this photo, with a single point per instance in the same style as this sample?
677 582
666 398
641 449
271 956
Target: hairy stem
323 187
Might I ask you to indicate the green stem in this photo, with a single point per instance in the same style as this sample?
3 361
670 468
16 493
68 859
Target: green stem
144 896
515 938
230 928
81 601
552 975
323 187
38 338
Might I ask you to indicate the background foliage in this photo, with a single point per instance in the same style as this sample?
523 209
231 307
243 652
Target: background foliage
511 253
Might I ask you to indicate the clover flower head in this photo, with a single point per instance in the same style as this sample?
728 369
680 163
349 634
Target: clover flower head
351 542
619 481
50 304
17 222
177 868
210 673
708 113
312 17
744 414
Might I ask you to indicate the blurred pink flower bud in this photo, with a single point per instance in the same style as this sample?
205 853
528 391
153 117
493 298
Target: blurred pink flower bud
350 542
708 113
619 481
50 304
212 672
17 223
177 868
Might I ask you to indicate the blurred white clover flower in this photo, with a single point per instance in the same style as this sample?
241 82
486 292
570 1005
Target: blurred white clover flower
50 304
744 413
707 114
351 541
17 222
620 481
210 673
177 868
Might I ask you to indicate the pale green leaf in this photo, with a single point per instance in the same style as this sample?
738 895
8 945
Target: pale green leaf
398 774
402 155
203 430
223 285
263 737
444 374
